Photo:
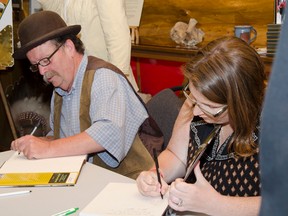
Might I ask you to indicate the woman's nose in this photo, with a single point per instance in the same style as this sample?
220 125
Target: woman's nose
196 110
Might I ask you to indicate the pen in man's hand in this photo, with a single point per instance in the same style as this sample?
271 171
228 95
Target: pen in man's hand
35 128
33 131
157 168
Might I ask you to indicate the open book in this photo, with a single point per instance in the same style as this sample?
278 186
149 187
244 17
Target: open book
122 199
60 171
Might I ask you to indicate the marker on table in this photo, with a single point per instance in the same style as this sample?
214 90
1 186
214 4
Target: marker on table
66 212
157 169
33 131
15 193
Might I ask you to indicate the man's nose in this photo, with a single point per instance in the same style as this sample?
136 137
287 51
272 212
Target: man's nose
42 69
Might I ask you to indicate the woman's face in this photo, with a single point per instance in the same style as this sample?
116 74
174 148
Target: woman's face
209 111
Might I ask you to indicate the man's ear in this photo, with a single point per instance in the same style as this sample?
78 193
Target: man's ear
69 46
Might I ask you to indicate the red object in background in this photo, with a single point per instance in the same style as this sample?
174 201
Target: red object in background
156 75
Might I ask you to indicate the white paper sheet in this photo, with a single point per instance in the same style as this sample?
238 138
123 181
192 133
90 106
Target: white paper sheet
124 199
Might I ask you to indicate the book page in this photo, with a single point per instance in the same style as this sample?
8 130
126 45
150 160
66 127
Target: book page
133 11
20 164
122 199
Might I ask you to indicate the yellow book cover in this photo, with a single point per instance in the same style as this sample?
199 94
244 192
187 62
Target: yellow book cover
60 171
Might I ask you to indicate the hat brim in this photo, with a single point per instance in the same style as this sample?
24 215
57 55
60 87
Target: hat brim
21 52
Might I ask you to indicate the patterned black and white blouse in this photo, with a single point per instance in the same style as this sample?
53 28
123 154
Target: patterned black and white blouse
227 174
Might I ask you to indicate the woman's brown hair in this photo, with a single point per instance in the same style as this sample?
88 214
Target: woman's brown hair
229 71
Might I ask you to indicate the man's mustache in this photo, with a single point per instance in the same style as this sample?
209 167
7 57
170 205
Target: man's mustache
48 75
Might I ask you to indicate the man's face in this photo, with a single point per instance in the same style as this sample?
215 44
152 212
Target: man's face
53 63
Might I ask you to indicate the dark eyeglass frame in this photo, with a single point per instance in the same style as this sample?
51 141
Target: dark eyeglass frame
194 103
44 61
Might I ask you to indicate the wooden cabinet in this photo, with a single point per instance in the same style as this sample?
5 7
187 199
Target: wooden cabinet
149 61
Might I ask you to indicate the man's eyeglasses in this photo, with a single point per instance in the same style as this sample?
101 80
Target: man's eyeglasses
43 62
208 111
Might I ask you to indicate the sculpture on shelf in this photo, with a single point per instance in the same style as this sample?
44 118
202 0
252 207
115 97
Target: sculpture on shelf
187 34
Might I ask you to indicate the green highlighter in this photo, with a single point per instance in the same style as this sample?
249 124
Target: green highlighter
66 212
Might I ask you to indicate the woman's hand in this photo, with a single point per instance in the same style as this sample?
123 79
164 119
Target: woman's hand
193 197
148 184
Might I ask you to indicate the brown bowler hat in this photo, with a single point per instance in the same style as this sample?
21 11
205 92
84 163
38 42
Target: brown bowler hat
39 28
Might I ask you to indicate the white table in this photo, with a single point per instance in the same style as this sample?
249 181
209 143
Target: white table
50 200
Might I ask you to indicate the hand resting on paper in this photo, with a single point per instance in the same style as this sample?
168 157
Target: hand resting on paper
46 147
32 147
148 184
193 197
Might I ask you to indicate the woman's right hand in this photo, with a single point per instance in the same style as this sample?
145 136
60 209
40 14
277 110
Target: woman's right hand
148 185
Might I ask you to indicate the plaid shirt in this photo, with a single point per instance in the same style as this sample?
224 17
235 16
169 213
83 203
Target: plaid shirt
115 111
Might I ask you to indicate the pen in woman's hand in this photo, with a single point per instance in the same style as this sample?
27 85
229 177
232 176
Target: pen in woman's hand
157 169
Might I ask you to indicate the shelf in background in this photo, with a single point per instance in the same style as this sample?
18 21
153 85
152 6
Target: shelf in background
178 54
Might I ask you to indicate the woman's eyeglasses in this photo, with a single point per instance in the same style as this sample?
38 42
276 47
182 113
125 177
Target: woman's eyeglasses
211 113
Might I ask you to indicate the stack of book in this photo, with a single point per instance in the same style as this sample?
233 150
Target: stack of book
273 32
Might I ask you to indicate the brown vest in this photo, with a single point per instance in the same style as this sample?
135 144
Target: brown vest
138 158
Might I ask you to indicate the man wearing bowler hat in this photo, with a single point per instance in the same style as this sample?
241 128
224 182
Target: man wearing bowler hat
94 109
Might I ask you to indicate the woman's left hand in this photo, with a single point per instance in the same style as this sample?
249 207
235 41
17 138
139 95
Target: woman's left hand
197 197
